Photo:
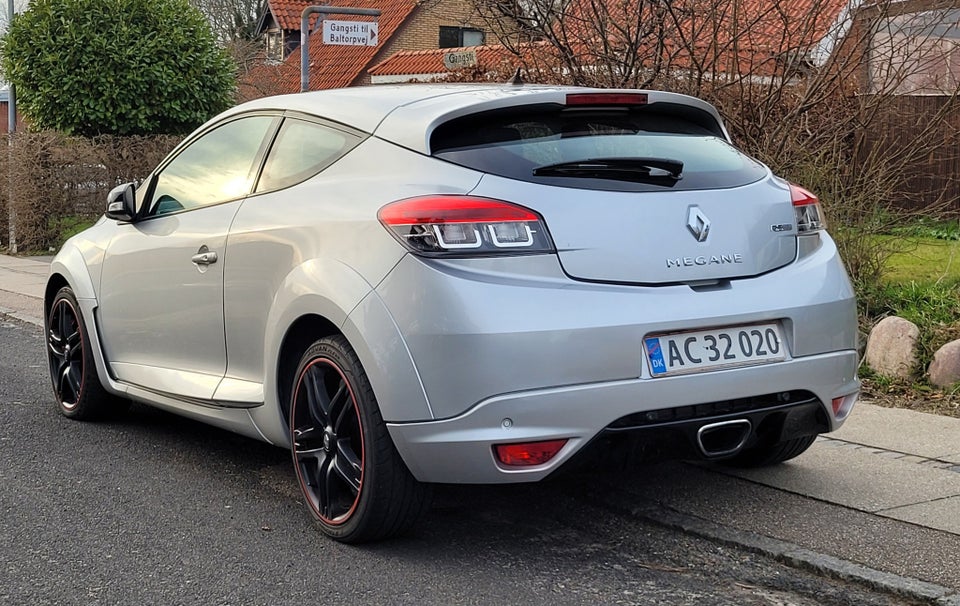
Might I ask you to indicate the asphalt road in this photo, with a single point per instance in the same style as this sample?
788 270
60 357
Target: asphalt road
154 509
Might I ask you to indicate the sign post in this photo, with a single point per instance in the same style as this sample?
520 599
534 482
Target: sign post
11 128
352 33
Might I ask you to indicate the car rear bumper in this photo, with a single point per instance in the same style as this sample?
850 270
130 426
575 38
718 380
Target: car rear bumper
460 449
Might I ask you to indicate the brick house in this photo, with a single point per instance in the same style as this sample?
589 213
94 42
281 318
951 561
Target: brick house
403 25
279 27
908 48
754 37
4 112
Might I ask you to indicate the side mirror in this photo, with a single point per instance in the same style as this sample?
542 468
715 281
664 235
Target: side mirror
122 203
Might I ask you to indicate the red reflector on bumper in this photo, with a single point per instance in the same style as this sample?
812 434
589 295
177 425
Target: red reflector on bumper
837 403
527 454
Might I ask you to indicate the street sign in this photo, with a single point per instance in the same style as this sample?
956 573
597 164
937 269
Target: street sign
460 59
351 33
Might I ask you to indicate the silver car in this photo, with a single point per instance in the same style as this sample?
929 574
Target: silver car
461 283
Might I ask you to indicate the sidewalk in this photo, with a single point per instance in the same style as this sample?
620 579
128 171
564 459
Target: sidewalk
891 464
22 281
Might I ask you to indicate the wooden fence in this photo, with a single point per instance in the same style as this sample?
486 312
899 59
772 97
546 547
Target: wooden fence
927 130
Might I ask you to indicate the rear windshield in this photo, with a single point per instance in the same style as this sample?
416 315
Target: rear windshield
553 139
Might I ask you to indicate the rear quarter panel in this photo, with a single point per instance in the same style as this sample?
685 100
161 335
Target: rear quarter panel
317 248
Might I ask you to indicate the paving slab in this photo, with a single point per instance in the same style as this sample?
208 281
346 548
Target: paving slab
881 543
859 478
24 276
22 307
942 514
907 431
26 263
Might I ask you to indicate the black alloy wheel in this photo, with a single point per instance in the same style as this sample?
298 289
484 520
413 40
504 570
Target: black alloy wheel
353 480
65 343
328 441
73 371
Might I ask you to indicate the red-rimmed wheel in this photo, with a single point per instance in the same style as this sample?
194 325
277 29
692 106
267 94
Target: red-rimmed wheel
72 369
352 478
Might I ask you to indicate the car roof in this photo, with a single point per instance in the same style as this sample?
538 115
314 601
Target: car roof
407 114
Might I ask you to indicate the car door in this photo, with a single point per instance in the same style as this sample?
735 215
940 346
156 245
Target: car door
161 305
273 233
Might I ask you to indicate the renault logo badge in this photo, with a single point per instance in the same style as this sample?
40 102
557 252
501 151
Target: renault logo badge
698 223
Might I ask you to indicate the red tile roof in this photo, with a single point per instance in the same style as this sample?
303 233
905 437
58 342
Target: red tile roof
431 61
288 12
331 66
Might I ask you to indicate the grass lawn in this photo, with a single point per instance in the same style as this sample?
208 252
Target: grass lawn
923 260
921 282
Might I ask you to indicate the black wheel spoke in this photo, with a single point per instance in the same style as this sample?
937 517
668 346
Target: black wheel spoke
340 405
316 395
308 440
327 488
64 324
55 338
73 340
348 464
69 385
76 355
311 465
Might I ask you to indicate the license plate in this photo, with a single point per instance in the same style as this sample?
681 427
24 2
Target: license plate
703 350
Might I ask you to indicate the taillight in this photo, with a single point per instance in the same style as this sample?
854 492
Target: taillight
454 225
806 206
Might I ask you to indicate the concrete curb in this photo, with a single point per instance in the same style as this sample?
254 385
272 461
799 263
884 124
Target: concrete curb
797 556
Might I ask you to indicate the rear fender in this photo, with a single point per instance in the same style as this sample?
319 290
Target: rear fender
308 291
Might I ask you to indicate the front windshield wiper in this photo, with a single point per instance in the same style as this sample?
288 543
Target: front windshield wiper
620 169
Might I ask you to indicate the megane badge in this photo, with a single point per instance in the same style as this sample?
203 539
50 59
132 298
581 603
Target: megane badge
698 223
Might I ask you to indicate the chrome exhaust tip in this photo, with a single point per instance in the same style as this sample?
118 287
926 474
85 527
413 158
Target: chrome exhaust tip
723 438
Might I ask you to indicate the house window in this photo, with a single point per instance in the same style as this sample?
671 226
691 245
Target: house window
274 44
454 37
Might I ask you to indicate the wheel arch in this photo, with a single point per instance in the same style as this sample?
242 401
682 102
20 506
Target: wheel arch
70 268
55 282
299 336
371 333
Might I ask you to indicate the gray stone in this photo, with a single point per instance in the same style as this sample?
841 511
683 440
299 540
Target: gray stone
945 368
892 347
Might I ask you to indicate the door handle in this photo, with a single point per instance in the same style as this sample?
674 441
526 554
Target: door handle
204 257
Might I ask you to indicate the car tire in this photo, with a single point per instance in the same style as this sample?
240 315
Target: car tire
771 454
352 478
73 372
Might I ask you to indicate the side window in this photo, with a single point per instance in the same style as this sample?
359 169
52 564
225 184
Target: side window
301 150
215 168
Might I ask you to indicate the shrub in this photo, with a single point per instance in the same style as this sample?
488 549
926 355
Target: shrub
61 182
92 67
